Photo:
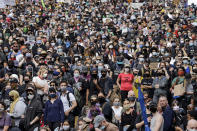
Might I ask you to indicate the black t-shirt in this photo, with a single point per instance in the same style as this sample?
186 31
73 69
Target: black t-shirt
106 84
147 81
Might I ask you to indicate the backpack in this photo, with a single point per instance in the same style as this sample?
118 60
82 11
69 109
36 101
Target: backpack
76 110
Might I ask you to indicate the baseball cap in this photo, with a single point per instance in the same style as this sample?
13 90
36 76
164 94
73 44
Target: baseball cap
97 120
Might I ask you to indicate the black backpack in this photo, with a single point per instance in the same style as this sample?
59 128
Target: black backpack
76 110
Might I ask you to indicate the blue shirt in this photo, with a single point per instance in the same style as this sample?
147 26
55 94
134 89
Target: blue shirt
168 119
54 112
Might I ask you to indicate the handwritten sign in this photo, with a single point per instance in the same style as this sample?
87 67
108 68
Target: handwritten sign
10 2
153 65
179 90
2 4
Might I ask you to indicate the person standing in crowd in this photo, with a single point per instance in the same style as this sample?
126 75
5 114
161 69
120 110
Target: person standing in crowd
117 111
40 81
157 121
126 79
54 111
69 102
168 114
17 107
106 83
33 112
80 48
160 83
5 119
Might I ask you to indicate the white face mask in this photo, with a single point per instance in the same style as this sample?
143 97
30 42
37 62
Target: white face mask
76 74
66 128
30 97
45 75
126 70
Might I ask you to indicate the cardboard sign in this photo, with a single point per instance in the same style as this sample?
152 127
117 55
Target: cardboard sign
190 2
10 2
179 90
153 65
2 4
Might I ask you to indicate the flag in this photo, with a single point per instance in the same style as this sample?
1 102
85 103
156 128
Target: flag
143 108
43 4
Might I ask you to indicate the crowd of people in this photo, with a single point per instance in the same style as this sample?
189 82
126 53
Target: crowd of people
80 66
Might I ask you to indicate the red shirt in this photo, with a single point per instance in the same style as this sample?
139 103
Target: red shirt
126 81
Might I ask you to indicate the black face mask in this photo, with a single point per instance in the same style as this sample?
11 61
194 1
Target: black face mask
26 81
101 99
11 99
94 76
93 102
16 50
85 73
159 74
104 74
146 75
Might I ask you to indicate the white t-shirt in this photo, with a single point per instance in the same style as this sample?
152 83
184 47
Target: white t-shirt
65 101
117 111
42 83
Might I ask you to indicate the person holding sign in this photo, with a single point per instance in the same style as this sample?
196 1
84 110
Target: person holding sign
178 86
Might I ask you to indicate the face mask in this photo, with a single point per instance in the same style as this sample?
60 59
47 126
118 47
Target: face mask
192 130
180 73
102 128
93 102
141 46
191 44
39 41
76 75
176 108
185 62
30 97
53 44
1 109
66 127
126 70
80 127
94 75
104 74
6 50
111 46
11 99
141 59
154 53
45 75
162 50
1 41
56 73
100 68
101 99
53 95
159 74
126 107
126 51
116 103
120 51
59 50
63 88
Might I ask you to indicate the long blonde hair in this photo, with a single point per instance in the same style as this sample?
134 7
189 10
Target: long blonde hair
42 70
